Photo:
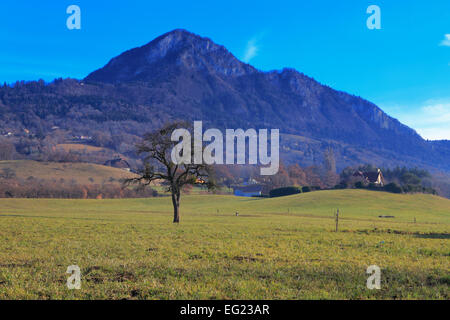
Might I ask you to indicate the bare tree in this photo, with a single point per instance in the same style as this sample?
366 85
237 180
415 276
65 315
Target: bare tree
7 150
329 175
156 148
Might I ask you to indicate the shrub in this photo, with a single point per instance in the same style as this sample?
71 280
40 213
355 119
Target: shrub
393 187
430 190
284 191
7 173
56 189
372 186
359 185
306 189
410 188
341 185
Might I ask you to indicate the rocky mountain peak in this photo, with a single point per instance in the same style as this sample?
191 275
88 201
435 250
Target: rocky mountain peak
177 48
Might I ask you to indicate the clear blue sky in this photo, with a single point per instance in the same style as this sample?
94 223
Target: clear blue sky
404 67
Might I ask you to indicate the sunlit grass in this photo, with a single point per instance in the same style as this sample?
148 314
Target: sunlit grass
280 248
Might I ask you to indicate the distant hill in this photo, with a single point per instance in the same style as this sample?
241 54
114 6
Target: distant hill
80 173
180 75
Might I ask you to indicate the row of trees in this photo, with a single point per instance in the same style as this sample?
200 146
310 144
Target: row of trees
323 175
13 187
396 180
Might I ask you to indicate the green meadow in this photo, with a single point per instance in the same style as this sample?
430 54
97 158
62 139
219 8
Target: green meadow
278 248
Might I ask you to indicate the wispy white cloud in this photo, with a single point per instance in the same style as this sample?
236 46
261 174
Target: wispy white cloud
438 112
251 50
446 41
431 120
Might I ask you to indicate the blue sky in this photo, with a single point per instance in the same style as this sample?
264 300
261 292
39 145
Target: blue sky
404 68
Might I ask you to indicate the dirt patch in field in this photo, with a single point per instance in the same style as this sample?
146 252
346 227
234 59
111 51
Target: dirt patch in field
195 257
124 276
98 274
244 258
26 264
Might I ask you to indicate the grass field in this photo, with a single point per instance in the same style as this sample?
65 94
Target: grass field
279 248
82 173
80 147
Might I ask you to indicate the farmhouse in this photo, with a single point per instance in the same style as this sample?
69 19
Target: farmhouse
375 177
200 181
247 191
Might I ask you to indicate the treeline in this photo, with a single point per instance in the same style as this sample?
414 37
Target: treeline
390 187
13 187
294 179
286 191
320 176
291 175
396 180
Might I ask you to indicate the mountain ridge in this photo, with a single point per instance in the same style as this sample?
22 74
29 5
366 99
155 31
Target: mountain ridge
178 38
191 46
180 75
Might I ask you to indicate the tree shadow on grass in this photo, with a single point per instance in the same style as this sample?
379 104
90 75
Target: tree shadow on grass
433 236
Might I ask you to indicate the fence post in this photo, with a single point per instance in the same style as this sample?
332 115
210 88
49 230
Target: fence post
337 219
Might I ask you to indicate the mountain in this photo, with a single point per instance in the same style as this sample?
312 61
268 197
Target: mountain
175 49
180 75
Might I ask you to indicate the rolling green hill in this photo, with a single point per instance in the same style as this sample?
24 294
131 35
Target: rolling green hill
353 203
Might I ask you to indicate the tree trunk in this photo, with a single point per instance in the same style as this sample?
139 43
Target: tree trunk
176 206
